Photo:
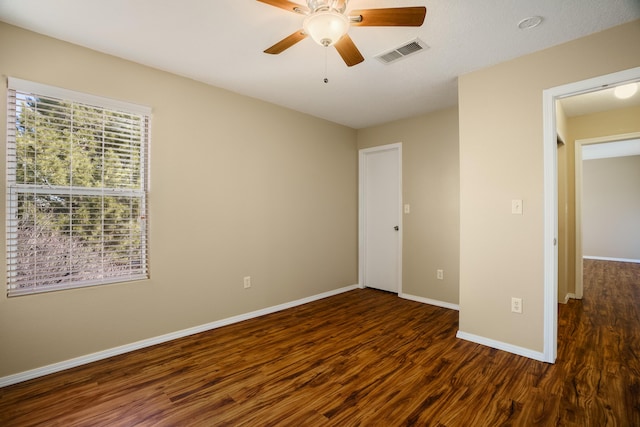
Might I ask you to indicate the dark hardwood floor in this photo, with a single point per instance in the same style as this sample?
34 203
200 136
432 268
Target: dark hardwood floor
361 358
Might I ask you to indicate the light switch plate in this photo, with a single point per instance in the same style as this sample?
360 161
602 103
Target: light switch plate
516 206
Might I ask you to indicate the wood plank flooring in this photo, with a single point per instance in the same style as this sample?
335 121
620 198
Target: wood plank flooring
363 358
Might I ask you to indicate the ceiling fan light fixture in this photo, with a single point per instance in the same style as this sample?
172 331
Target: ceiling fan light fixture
326 27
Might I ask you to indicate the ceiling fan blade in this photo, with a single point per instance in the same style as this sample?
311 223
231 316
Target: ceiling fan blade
348 51
395 16
286 43
287 5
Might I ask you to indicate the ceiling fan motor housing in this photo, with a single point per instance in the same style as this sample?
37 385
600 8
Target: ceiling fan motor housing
327 5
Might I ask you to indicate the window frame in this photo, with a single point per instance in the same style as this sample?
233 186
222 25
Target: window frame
13 189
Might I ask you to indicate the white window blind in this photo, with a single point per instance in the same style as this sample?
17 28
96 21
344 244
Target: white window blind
77 168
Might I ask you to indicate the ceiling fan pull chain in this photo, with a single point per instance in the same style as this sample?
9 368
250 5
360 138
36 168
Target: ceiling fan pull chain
326 79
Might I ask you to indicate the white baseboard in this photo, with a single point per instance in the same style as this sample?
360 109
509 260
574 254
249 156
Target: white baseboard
569 296
520 351
603 258
82 360
437 303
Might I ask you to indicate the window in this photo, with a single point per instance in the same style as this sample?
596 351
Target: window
77 184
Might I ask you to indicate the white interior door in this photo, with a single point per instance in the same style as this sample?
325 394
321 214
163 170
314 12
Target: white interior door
380 217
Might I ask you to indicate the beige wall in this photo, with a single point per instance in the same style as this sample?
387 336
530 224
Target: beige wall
430 181
501 158
607 123
611 207
238 187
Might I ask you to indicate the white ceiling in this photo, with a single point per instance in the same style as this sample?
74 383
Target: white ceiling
220 42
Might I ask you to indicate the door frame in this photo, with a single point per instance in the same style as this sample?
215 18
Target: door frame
550 253
362 153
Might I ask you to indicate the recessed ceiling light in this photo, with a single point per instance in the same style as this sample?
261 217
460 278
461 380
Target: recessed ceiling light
530 22
626 91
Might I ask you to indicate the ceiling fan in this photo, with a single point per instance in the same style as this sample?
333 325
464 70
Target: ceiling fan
327 24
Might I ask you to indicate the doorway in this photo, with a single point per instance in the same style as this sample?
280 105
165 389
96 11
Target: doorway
380 254
550 255
600 147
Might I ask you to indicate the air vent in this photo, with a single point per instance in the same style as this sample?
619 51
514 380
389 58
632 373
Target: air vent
407 49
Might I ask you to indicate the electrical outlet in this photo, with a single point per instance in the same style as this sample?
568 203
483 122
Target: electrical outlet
247 282
516 305
440 274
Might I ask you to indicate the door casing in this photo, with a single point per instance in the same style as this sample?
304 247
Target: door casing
550 252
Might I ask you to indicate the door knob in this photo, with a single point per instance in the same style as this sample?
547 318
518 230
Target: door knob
396 228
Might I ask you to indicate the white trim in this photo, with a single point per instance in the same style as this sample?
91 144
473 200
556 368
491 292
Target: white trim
361 212
549 97
577 220
612 149
71 95
604 258
520 351
550 233
429 301
569 296
82 360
